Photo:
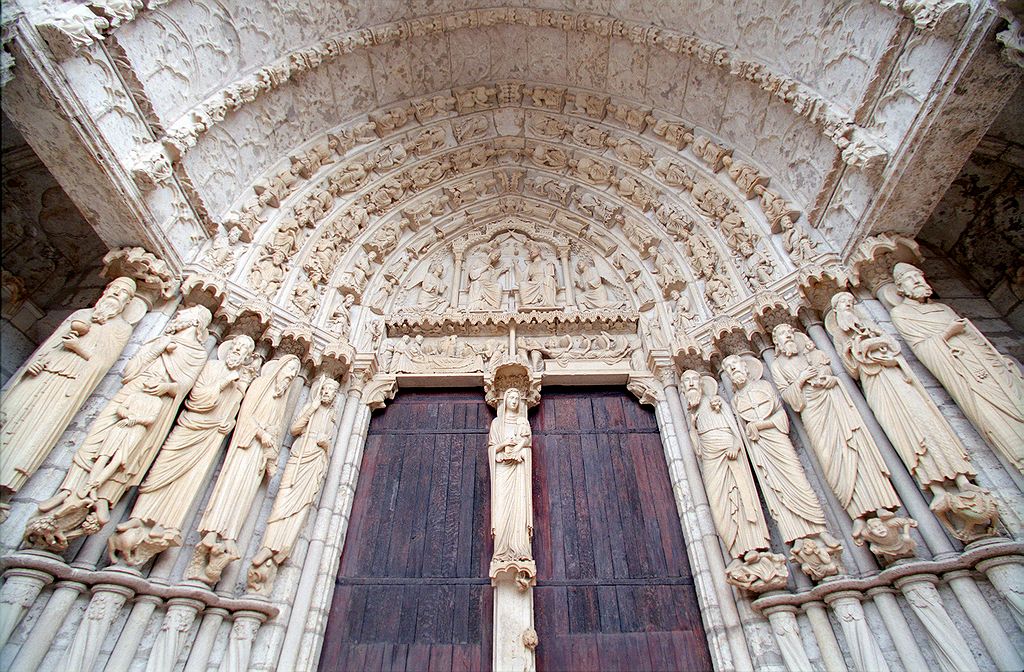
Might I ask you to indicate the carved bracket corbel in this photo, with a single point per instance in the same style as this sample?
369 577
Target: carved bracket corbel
507 372
730 336
203 289
872 262
819 284
154 280
687 354
380 389
770 310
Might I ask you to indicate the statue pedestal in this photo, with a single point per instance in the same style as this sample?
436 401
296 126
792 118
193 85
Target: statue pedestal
514 636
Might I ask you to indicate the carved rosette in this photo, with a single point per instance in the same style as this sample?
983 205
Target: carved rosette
505 373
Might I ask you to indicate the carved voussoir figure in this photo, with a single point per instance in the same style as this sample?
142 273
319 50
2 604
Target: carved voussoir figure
922 437
735 506
848 455
124 439
787 493
510 453
314 430
44 396
251 457
186 458
987 386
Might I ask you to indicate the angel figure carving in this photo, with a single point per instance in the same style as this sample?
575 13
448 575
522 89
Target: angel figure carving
44 396
510 449
485 291
433 295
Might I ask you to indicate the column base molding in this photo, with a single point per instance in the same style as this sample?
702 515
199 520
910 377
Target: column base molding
967 560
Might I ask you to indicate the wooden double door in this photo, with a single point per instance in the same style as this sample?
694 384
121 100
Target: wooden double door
614 590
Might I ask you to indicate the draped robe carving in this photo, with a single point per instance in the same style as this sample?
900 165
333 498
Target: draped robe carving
848 455
985 385
732 495
184 462
510 453
921 436
788 495
252 455
44 396
124 439
485 292
539 288
591 291
300 486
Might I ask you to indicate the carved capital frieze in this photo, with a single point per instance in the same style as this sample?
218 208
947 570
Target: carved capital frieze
730 336
770 310
818 284
203 289
688 354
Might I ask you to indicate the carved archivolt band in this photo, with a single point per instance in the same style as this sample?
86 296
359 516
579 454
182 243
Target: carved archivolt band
80 27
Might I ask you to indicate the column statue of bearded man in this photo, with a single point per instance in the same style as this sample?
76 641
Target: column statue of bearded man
987 386
124 439
848 455
45 394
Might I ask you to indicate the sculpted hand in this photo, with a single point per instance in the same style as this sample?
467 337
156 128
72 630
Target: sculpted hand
752 432
35 368
733 452
324 444
170 347
956 327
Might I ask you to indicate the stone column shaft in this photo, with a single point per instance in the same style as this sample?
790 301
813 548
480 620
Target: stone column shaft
570 286
456 281
181 614
1007 575
895 621
243 633
831 655
37 645
206 638
316 620
864 649
103 609
513 616
787 635
951 650
20 590
127 645
1004 654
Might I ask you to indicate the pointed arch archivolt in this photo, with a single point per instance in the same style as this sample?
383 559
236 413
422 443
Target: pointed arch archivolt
683 213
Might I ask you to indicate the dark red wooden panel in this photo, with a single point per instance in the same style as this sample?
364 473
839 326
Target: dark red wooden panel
614 589
411 592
